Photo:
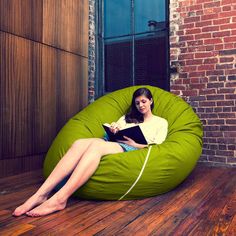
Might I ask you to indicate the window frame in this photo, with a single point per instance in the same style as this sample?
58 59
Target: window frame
100 46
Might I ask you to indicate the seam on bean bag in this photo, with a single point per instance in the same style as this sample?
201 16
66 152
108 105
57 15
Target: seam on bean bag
140 174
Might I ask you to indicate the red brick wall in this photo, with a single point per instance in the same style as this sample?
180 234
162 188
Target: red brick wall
203 48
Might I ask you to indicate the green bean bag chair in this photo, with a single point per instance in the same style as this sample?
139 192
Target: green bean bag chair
141 173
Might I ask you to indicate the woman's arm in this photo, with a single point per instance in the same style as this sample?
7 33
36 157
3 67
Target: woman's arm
132 143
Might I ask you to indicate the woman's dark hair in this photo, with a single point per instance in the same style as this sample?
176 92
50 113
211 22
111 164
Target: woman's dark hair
134 116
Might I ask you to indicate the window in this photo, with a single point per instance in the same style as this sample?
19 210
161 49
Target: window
133 44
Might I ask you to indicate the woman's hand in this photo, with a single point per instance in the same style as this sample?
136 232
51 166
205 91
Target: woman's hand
132 143
114 128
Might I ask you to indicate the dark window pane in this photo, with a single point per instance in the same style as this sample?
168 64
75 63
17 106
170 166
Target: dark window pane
117 17
149 14
118 64
151 60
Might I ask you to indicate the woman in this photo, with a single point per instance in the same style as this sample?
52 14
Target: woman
83 157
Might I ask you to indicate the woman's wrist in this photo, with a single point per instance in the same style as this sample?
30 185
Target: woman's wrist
140 145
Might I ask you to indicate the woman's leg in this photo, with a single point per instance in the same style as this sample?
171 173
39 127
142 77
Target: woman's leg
83 171
64 167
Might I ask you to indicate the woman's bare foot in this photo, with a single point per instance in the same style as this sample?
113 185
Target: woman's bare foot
33 201
51 205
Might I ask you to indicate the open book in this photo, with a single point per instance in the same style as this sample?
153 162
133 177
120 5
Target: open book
134 133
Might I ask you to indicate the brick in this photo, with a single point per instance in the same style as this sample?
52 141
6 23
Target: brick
204 80
203 23
207 104
208 152
194 81
222 78
189 93
232 77
186 81
203 55
228 26
183 75
219 47
231 161
191 19
221 34
217 159
225 2
197 98
227 109
214 134
203 36
210 16
227 52
213 41
230 134
178 45
180 32
183 50
215 72
203 158
226 141
194 62
177 87
213 78
216 122
226 115
197 86
231 96
224 66
227 14
225 103
210 61
210 28
211 4
215 34
230 72
229 46
201 1
189 68
225 90
195 7
222 147
186 38
226 59
177 81
221 21
215 85
186 26
193 31
186 56
230 39
212 128
226 8
228 128
215 97
206 67
207 91
218 109
209 140
197 73
231 147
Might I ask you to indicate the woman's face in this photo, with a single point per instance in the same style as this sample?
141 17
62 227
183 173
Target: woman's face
143 104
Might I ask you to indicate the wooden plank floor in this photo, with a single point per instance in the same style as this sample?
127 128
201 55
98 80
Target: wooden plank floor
204 204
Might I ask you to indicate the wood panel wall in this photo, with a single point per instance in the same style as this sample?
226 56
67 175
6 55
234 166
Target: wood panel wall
43 76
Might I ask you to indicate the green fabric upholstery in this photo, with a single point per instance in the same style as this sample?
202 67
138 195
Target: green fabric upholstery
141 173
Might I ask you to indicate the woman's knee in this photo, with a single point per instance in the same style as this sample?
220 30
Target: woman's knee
97 145
82 142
